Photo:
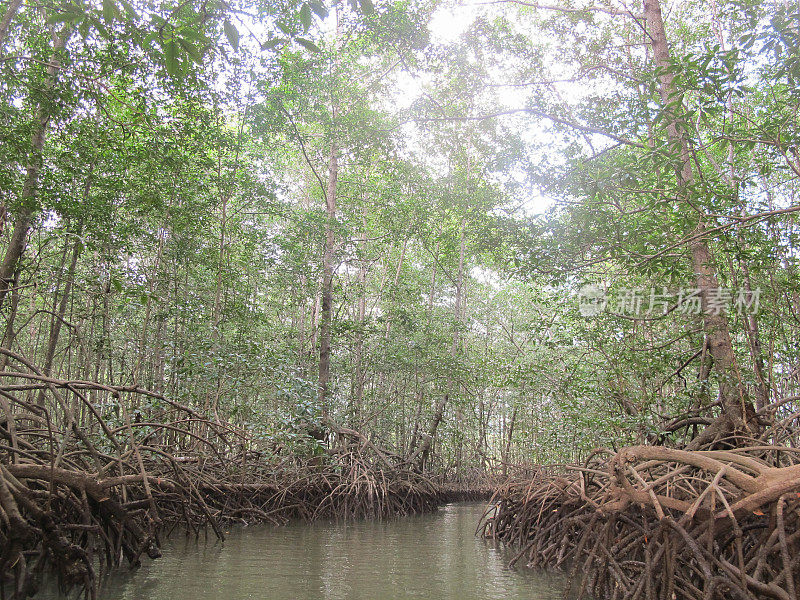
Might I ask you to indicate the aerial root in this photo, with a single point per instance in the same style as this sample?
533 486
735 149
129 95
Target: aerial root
651 522
85 486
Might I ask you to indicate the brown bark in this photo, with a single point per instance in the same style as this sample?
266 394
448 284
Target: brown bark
396 281
509 437
148 311
212 400
756 353
357 393
60 312
9 334
687 539
421 391
24 215
8 16
425 448
301 325
313 343
327 281
60 308
737 409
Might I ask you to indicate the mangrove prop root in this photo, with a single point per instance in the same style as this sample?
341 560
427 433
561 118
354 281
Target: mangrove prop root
96 475
652 522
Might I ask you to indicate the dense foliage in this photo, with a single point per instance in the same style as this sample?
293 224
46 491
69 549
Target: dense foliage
202 198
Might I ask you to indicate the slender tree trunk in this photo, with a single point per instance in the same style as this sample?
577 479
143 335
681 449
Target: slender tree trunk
151 291
754 341
509 436
301 325
24 216
737 409
421 392
8 17
314 325
412 444
357 393
327 281
212 400
59 313
751 322
217 313
157 379
8 334
396 281
427 444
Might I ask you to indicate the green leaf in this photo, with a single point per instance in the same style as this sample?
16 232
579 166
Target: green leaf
190 33
305 17
319 9
109 8
171 57
231 33
283 27
366 6
308 44
65 17
101 29
193 52
273 43
132 16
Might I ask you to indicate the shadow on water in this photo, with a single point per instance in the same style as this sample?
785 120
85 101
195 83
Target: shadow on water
434 556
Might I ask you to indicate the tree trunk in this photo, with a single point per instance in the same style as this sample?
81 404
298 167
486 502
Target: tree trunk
327 281
737 408
763 390
421 390
212 400
395 282
506 453
58 314
8 16
8 334
357 393
425 448
24 216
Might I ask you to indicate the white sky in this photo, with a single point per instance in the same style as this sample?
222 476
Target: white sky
448 23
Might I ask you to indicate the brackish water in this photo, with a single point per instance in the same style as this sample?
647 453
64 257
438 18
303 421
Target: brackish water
431 557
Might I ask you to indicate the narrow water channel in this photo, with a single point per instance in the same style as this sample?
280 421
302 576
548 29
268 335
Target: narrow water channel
432 557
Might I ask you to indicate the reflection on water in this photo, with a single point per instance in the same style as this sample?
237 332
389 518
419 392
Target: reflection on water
434 557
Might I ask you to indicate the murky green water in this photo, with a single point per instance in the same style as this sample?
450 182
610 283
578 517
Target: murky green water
432 557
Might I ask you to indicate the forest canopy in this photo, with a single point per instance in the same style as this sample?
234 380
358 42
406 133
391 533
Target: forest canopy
264 260
385 213
390 215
